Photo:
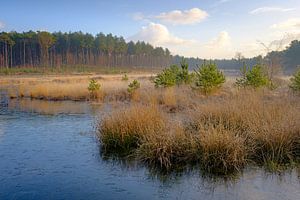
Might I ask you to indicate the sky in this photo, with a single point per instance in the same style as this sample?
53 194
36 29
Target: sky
193 28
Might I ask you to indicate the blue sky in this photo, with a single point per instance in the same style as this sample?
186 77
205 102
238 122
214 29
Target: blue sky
203 28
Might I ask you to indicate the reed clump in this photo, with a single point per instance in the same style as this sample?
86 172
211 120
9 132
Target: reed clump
222 151
269 125
170 149
220 134
216 151
122 131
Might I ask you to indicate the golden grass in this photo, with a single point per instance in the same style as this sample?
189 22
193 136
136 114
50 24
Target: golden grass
222 151
169 149
167 127
54 91
270 125
122 130
216 151
70 87
220 133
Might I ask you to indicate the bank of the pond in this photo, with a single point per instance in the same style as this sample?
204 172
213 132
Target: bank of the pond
179 126
49 150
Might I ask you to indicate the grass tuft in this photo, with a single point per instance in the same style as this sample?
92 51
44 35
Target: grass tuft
121 131
222 151
169 150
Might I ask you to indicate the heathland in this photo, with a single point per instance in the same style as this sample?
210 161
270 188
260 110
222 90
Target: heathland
177 119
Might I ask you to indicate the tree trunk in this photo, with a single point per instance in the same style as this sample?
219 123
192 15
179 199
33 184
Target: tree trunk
24 54
11 59
6 56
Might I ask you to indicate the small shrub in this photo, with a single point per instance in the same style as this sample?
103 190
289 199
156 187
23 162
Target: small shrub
295 82
125 77
94 88
133 86
168 77
254 77
174 75
184 77
208 77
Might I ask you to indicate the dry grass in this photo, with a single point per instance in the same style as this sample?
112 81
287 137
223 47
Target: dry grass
168 97
222 151
179 126
220 133
216 151
270 125
169 149
70 87
122 130
54 91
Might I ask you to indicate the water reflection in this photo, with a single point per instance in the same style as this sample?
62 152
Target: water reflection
59 157
192 183
53 107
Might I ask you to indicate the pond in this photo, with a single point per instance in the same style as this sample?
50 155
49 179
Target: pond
49 150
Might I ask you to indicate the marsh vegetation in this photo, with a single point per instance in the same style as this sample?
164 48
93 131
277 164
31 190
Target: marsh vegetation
56 139
220 133
180 119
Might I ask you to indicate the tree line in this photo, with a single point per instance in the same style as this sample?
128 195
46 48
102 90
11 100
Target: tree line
41 48
44 49
286 60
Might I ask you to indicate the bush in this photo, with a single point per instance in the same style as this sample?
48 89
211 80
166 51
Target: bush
94 88
254 77
184 76
174 76
168 77
133 86
295 82
125 77
208 77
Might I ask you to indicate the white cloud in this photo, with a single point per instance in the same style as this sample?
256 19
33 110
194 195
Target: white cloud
178 17
276 43
284 32
251 48
222 40
270 9
218 47
2 25
158 35
292 23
